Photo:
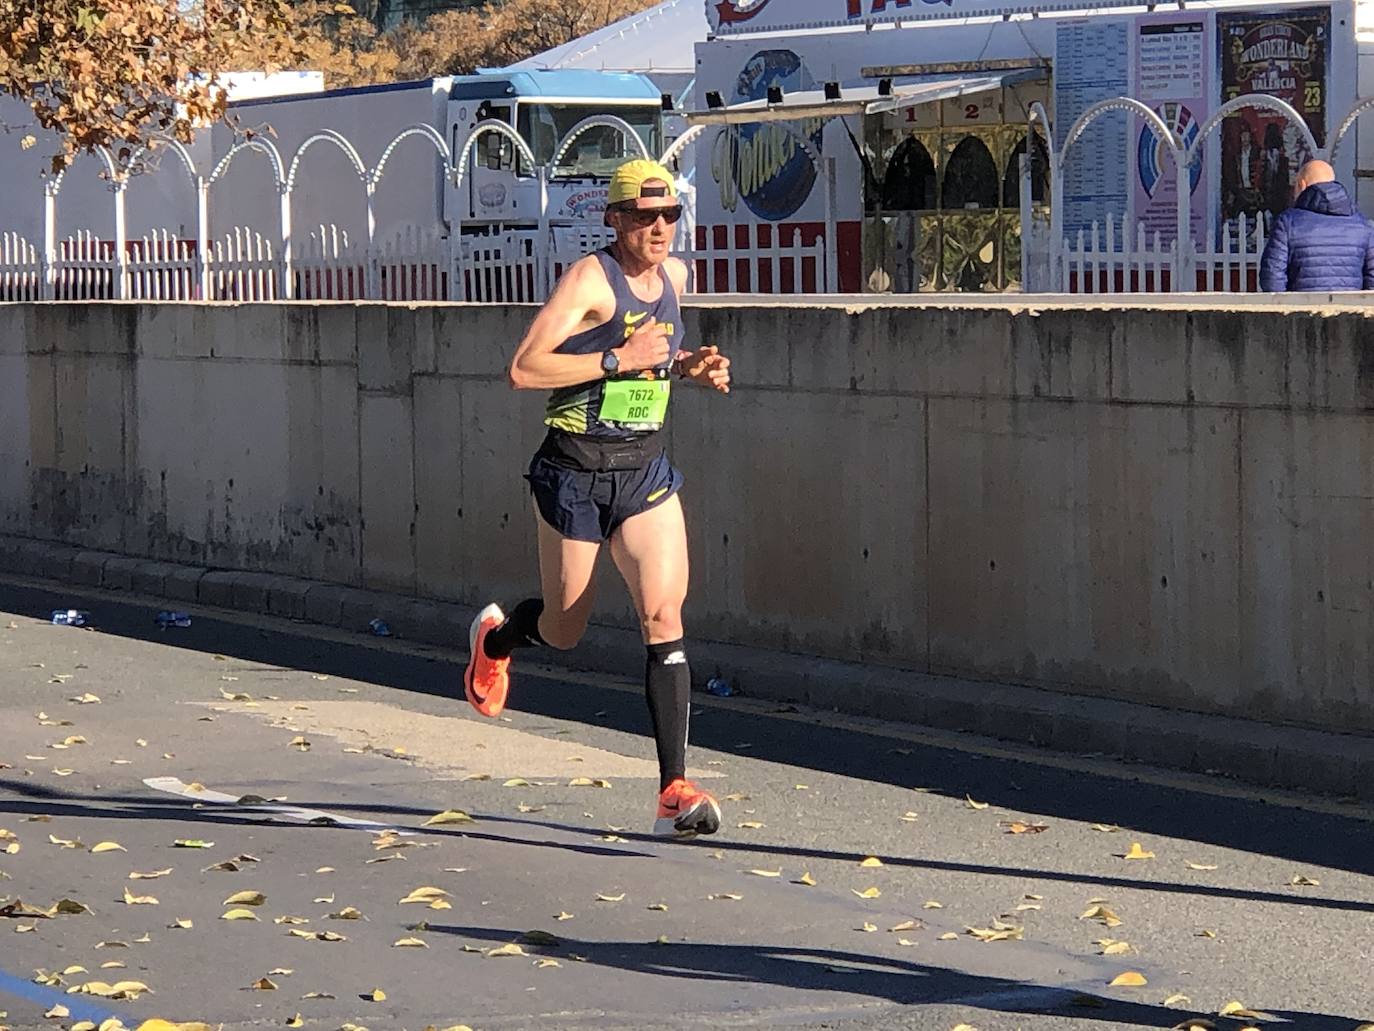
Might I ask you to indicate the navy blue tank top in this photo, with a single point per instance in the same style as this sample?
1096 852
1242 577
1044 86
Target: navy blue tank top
584 408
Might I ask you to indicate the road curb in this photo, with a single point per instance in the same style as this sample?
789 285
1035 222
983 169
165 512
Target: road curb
1256 753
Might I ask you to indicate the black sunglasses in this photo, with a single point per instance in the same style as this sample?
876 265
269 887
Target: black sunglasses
645 217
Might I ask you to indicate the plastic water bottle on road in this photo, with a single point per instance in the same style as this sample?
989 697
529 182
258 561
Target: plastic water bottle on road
177 619
69 617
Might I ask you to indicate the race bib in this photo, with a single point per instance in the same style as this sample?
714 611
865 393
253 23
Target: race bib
635 404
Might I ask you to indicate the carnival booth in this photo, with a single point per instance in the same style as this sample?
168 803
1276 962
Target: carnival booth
920 143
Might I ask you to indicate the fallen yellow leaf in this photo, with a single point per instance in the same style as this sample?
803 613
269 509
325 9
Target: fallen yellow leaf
766 873
1136 852
409 943
511 949
239 914
970 803
749 825
611 898
1177 999
426 895
245 898
151 875
871 861
806 879
131 899
376 995
108 846
448 816
1102 914
867 893
1128 979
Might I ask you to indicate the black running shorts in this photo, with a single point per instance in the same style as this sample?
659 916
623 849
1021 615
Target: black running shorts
585 501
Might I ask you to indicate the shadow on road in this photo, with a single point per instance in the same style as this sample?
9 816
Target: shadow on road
1022 786
895 980
521 831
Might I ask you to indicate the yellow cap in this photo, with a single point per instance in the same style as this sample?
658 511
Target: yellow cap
629 178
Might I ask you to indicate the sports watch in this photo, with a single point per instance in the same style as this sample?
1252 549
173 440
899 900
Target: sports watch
610 363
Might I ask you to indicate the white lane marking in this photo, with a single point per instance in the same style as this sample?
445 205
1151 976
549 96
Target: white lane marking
173 786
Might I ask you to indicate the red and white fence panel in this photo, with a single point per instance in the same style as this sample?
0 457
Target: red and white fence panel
1114 258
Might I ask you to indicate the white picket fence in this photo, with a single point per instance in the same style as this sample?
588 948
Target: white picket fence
502 265
21 269
1113 259
752 258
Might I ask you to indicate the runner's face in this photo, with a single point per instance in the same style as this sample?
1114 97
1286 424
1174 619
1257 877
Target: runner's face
649 243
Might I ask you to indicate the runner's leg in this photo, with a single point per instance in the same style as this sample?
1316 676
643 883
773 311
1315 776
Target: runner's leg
650 550
565 576
557 620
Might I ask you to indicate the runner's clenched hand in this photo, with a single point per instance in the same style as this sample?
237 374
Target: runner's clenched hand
645 348
706 366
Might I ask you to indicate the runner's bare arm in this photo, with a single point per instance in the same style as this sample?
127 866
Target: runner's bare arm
706 366
582 300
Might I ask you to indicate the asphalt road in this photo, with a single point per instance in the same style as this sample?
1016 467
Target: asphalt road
1266 902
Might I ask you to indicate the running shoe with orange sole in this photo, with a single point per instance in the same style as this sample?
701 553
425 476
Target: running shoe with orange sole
486 681
685 810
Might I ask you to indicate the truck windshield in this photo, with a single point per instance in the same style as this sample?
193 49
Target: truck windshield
597 151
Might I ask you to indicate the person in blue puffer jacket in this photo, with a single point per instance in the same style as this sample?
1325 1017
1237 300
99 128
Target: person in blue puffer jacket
1322 242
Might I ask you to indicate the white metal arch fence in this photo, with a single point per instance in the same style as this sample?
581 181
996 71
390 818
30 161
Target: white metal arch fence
502 263
1118 255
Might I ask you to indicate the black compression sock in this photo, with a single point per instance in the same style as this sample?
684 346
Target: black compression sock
668 690
520 630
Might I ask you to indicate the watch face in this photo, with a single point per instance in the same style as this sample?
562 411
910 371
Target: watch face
609 362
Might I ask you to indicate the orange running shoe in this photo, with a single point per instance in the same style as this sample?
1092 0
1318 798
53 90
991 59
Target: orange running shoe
486 681
685 810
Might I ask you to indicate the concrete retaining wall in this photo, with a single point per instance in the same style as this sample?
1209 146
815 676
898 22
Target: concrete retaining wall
1164 506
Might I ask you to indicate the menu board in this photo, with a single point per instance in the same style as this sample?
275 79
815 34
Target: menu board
1285 54
1090 66
1171 73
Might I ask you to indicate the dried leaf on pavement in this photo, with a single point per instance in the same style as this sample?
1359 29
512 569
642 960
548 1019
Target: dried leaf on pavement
867 893
239 914
1102 914
1136 852
245 898
971 803
1128 979
138 900
150 875
806 879
448 816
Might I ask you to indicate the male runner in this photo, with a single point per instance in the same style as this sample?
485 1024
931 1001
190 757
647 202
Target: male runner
607 344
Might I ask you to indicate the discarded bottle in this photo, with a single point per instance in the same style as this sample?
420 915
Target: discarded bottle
719 686
69 617
178 619
379 628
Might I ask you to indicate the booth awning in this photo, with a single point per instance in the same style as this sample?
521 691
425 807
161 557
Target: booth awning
865 100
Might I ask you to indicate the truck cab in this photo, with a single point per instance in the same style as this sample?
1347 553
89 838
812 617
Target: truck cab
543 106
